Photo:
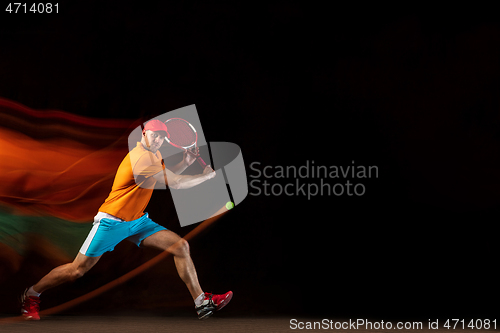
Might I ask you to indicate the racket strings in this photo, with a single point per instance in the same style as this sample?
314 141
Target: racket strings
181 133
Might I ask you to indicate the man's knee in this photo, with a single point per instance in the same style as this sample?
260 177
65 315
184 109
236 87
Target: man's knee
182 248
77 273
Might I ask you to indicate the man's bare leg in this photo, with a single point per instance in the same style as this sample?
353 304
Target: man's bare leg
167 240
65 273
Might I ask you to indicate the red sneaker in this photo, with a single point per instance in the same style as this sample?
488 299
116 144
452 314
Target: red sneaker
30 306
213 303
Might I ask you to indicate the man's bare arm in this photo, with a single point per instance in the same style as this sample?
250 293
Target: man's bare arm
174 181
187 160
179 167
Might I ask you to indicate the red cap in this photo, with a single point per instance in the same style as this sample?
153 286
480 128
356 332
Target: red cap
155 125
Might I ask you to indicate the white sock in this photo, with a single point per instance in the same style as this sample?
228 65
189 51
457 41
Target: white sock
32 292
199 300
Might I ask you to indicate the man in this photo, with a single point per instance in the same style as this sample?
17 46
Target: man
122 216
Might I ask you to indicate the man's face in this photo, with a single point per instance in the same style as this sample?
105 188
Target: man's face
154 140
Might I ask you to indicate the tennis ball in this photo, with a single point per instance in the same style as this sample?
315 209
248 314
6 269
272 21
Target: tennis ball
229 205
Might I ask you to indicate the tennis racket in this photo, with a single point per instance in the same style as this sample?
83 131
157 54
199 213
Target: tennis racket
182 134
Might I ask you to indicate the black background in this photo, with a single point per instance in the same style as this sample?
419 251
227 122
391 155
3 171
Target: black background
411 90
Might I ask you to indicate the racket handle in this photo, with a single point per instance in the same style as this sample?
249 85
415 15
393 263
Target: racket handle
202 162
199 159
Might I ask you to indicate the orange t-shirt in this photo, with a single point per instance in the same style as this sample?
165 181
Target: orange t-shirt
133 184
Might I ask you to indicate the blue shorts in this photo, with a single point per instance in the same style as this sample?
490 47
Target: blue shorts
107 233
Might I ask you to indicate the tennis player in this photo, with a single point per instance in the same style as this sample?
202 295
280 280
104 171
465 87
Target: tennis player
122 216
